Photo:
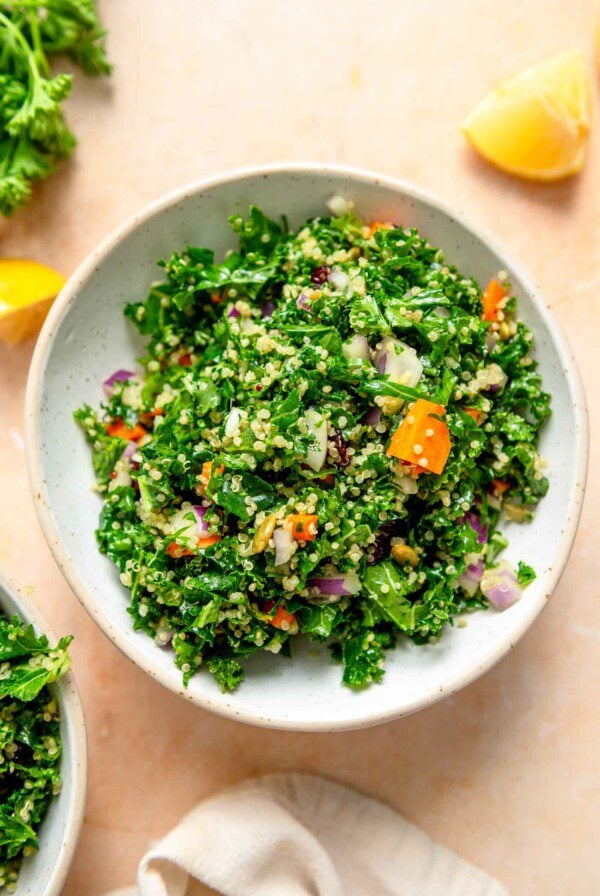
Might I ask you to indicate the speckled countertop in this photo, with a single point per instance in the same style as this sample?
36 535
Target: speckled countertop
505 772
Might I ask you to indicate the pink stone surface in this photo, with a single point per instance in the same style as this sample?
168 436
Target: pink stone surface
505 772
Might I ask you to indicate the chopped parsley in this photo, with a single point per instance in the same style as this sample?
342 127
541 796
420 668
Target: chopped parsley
327 430
30 744
34 136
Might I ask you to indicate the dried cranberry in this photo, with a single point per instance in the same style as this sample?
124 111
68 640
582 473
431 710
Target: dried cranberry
319 276
342 448
22 754
383 539
258 388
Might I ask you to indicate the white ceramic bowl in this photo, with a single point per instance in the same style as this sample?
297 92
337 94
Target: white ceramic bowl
86 337
44 873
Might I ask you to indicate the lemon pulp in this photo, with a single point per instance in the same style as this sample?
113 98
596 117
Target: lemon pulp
27 289
537 123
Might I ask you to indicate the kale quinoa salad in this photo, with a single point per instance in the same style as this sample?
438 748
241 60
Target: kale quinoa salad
327 429
30 743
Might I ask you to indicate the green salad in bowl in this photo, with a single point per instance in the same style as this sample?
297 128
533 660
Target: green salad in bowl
30 739
324 435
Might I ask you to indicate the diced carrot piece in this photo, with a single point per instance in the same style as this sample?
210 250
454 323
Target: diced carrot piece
208 541
475 413
216 298
218 469
282 619
207 473
422 439
185 360
500 486
207 470
177 550
303 526
494 300
378 225
147 417
130 433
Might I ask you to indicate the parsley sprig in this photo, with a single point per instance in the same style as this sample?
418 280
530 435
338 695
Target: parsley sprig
34 136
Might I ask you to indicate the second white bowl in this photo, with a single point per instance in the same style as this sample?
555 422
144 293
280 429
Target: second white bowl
45 872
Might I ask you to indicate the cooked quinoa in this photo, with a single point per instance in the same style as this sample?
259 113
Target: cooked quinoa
325 433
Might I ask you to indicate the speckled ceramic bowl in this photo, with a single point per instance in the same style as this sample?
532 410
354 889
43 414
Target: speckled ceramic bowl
86 337
44 873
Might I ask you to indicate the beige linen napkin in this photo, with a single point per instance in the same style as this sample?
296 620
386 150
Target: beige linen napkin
298 835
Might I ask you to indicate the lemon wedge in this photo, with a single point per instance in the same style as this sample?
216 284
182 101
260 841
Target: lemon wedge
27 289
536 124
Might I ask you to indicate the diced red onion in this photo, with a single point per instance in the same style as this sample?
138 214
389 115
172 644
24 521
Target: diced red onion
501 586
317 427
340 585
267 309
234 313
303 302
119 376
399 361
471 577
475 570
189 522
357 347
475 523
200 513
372 417
284 546
129 450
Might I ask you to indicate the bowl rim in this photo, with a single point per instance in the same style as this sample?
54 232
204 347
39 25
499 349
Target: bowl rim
223 705
74 719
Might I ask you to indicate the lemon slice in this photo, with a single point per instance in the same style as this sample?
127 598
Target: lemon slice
27 289
537 123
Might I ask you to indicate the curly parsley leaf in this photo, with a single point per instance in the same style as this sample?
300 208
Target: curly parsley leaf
30 744
34 136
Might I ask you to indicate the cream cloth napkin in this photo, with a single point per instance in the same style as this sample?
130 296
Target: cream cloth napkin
298 835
